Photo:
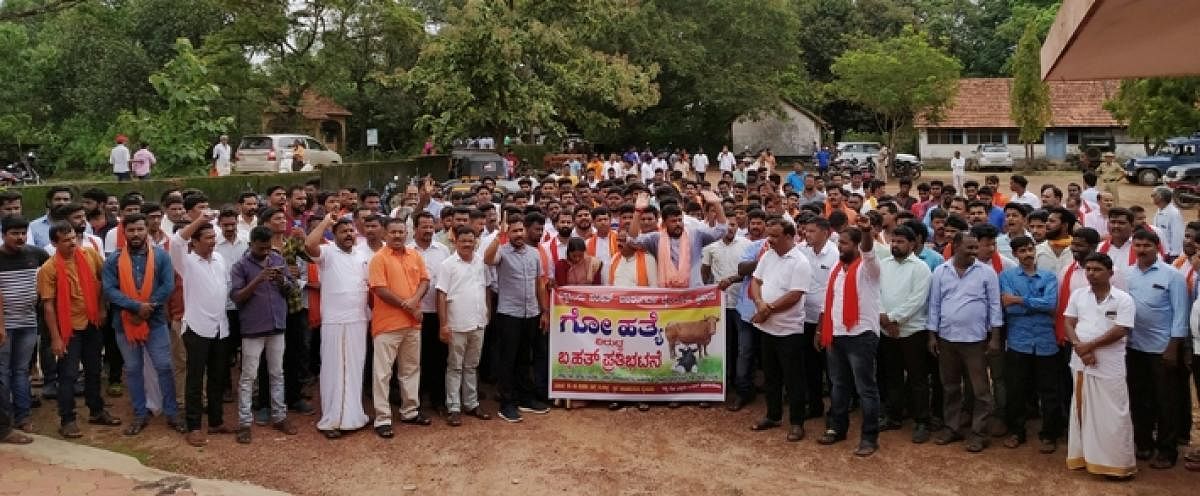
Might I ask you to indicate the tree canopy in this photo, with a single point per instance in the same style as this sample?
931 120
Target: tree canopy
1029 99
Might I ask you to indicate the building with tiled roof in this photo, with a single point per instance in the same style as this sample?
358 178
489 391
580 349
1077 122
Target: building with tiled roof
319 117
979 113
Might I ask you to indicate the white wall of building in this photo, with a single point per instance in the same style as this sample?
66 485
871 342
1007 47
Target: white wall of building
794 135
929 151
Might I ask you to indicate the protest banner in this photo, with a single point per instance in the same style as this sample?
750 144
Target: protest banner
637 344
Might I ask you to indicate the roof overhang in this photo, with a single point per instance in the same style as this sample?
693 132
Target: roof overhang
1119 39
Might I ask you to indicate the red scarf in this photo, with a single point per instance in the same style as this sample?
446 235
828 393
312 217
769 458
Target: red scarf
136 330
948 251
1064 294
62 293
849 301
1107 244
314 295
997 263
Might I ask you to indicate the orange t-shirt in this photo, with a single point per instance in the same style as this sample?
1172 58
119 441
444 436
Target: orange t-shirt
47 284
402 273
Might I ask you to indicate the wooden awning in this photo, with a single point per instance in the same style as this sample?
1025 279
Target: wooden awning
1119 39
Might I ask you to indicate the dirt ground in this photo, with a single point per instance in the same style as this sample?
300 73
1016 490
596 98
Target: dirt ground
684 451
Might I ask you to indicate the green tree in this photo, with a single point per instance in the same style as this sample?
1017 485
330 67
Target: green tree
1029 97
1157 108
495 68
896 79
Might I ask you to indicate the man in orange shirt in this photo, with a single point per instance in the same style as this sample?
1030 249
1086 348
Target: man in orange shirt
398 280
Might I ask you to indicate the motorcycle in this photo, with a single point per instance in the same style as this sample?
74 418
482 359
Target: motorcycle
22 172
904 168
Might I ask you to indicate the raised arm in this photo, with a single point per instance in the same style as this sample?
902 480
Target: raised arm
312 242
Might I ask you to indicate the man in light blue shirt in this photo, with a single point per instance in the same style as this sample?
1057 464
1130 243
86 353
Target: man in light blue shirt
744 373
39 228
965 318
1030 297
1153 359
928 255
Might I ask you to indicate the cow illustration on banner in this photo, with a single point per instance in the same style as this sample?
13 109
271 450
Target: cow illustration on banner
637 344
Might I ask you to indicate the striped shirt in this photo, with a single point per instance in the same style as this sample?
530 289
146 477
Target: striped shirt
18 284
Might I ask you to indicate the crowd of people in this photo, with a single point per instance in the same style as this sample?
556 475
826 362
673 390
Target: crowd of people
965 311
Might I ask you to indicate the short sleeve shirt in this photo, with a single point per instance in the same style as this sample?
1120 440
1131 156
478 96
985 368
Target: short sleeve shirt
48 285
402 273
781 275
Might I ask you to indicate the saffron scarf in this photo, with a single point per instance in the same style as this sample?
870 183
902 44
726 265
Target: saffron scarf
1060 243
545 262
997 263
1064 294
62 293
643 277
1190 274
136 330
1107 245
672 275
612 243
849 301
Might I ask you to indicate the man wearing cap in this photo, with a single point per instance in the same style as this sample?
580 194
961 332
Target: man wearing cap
119 159
1111 174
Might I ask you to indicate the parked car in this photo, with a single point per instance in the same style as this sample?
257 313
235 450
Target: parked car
273 153
857 150
993 156
1178 151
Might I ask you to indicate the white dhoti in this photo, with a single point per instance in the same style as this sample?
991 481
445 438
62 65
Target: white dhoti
343 353
223 167
1100 435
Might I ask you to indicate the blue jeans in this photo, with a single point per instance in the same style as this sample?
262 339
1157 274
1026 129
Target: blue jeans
15 355
158 344
84 348
744 377
852 366
122 176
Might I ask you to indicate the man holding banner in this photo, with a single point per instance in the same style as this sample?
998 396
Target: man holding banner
780 282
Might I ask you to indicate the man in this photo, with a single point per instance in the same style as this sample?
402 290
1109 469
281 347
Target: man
719 265
1015 215
835 202
965 317
118 158
463 309
630 267
522 312
675 245
1154 359
290 245
904 285
1029 296
10 204
726 160
1097 218
556 247
602 244
258 285
1052 197
849 334
1112 174
922 248
1018 184
958 170
138 281
343 271
995 213
1168 221
1053 254
247 207
699 164
221 155
433 350
69 285
232 245
1118 246
777 288
398 281
19 264
39 228
1098 318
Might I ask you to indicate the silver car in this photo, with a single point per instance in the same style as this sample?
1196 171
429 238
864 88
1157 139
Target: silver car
258 153
993 156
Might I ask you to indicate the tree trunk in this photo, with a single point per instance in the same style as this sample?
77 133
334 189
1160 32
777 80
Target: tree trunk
1028 158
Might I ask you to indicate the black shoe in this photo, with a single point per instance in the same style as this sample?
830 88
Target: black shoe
509 413
534 406
831 436
887 424
765 424
738 404
920 434
1143 455
303 408
137 426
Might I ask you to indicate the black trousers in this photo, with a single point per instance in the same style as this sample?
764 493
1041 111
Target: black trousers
1027 373
541 365
233 345
112 354
513 347
906 375
433 363
783 365
295 362
83 348
207 358
814 371
1153 397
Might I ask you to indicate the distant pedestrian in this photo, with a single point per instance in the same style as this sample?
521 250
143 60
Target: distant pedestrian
143 159
222 154
118 158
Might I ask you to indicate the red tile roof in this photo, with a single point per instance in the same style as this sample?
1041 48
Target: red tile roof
983 102
314 106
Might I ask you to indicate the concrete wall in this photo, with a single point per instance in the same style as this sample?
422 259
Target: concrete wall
793 135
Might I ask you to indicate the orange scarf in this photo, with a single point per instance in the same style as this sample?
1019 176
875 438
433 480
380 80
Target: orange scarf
62 293
672 275
643 278
997 263
1064 294
612 243
948 251
545 262
314 296
1061 243
849 301
136 330
1191 274
120 234
1107 245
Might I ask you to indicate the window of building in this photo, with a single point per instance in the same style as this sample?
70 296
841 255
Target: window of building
945 136
986 135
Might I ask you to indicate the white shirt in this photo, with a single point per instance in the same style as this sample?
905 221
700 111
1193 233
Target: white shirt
119 159
221 153
343 284
647 171
726 160
822 264
1095 319
1098 221
244 227
781 275
626 273
1091 195
904 288
958 165
231 251
868 303
1169 223
433 257
723 258
1028 199
466 299
205 289
1047 260
700 162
